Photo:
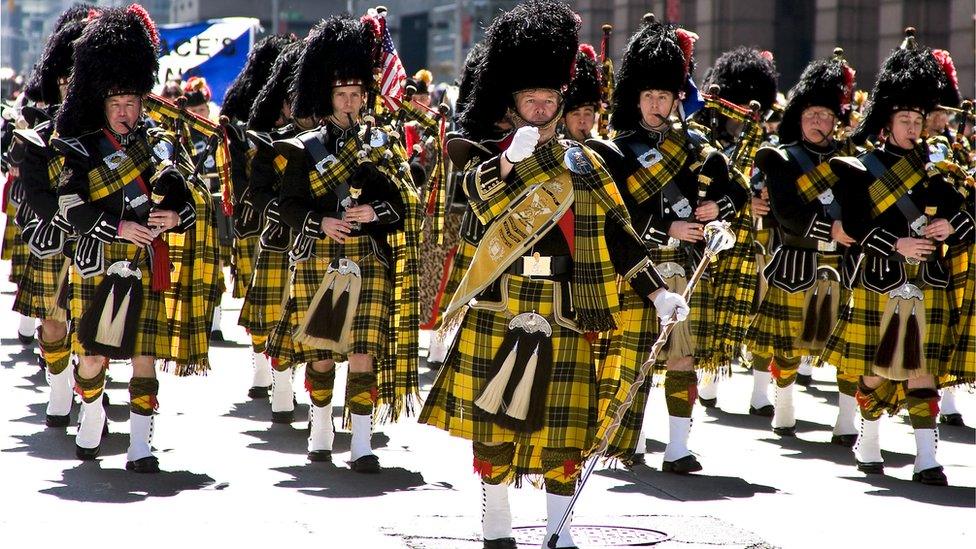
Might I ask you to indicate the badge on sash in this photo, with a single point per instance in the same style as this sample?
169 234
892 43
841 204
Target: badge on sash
321 165
114 160
651 157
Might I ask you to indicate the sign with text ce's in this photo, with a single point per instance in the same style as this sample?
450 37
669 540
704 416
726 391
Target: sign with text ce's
215 49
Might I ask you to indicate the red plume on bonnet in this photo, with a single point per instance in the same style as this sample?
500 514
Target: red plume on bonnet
686 41
147 22
945 61
588 51
848 98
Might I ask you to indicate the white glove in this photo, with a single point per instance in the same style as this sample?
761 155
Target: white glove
668 304
523 144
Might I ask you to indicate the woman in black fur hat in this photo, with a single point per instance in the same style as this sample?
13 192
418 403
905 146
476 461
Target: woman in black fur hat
673 183
895 332
554 236
346 196
799 312
104 193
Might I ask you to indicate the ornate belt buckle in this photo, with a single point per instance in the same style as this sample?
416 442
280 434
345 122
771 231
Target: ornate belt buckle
536 265
919 224
672 244
826 246
907 291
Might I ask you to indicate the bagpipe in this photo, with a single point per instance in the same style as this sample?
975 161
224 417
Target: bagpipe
606 83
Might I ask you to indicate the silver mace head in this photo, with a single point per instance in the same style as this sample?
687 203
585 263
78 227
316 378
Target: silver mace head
718 237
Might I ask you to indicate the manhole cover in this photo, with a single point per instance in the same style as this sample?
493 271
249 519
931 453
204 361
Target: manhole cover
596 536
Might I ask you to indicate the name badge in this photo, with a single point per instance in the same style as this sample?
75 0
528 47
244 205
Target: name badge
535 265
114 160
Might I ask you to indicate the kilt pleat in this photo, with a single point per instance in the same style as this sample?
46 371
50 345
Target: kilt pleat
37 293
269 285
244 253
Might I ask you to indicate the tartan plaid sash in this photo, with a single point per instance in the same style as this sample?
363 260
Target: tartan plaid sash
648 181
815 179
891 185
328 171
118 168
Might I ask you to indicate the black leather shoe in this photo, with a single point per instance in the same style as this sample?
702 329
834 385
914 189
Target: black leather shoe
501 543
871 468
952 419
847 441
217 335
683 466
25 339
785 431
259 392
803 379
86 454
320 455
933 477
283 417
633 460
148 464
367 464
762 411
57 421
708 402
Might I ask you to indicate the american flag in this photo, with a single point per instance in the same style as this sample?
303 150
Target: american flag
391 85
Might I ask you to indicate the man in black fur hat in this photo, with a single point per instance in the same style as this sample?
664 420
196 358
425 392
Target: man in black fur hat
519 381
104 193
45 232
238 101
582 97
798 312
673 183
346 195
895 330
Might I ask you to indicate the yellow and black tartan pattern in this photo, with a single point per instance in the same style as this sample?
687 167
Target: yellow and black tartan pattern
244 254
14 249
779 321
196 289
269 287
963 363
852 345
646 182
153 333
369 333
571 400
37 292
104 180
822 177
897 180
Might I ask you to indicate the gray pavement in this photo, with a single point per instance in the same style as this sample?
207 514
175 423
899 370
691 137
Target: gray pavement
231 477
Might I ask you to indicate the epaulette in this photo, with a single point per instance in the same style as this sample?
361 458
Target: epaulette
30 137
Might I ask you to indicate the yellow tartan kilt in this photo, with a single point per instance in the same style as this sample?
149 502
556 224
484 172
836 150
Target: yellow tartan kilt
153 334
571 401
37 292
369 325
852 345
269 286
244 253
777 326
15 250
963 364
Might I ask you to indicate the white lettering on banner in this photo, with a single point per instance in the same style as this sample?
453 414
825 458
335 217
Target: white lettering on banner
193 51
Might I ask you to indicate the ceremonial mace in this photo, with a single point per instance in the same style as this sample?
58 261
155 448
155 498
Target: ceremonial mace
718 238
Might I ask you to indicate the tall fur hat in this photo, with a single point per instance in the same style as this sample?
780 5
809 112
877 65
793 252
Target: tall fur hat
584 89
825 83
659 56
533 45
115 55
338 52
465 83
197 91
743 75
241 93
910 79
271 97
421 81
55 62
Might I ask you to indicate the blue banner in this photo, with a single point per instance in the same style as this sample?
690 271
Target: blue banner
215 49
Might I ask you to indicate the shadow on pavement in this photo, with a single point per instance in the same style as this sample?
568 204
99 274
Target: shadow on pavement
90 483
944 496
335 480
962 435
57 445
291 440
809 449
24 355
741 421
651 482
259 409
